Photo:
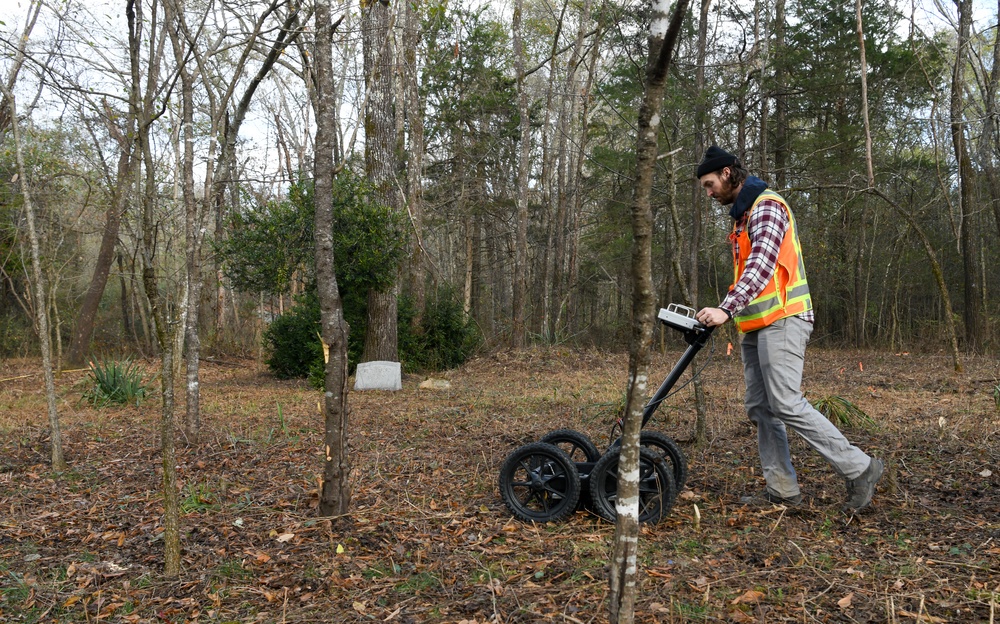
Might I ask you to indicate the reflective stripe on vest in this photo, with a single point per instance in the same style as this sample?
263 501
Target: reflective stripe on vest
787 292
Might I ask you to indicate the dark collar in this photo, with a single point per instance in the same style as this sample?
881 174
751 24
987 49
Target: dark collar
752 188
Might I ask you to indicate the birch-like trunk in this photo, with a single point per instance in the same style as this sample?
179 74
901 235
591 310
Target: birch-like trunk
624 561
38 277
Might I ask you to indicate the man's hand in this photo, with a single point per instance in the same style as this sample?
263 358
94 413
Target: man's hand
711 317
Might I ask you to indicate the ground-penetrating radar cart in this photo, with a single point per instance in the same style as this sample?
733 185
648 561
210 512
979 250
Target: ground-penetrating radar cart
548 480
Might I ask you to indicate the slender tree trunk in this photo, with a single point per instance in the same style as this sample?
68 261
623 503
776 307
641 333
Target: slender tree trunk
780 98
624 560
990 141
193 236
38 277
518 330
974 315
9 121
335 495
697 204
415 162
937 272
141 101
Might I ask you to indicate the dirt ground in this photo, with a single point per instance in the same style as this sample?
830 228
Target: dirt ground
429 539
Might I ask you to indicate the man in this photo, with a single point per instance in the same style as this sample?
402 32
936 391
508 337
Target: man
770 303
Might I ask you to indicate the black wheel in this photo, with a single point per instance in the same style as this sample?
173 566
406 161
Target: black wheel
664 446
539 483
575 444
656 486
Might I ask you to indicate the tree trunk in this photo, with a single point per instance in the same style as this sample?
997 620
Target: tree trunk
415 159
697 203
938 272
38 277
193 232
624 560
380 164
989 142
141 101
974 315
780 98
335 495
518 329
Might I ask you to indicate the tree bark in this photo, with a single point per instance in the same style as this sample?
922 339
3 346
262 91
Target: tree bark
141 101
335 495
780 98
193 229
624 560
518 328
973 313
380 164
697 204
415 162
38 277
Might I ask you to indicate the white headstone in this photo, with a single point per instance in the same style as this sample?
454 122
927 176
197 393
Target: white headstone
378 376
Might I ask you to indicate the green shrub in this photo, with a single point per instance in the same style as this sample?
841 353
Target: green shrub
292 340
444 339
115 382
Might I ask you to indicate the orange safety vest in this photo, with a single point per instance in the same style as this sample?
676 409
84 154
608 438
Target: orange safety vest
787 292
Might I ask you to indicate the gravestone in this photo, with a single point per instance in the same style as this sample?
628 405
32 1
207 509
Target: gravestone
378 375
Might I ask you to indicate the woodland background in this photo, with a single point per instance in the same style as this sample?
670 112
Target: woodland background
894 262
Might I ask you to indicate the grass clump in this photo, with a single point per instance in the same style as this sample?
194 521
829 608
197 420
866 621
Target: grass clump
116 383
843 413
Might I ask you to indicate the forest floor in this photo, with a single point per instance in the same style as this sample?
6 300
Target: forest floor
428 538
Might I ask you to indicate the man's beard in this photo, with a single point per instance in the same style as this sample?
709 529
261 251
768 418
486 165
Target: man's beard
728 193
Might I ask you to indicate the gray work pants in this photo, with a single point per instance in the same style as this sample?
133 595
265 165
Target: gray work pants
772 366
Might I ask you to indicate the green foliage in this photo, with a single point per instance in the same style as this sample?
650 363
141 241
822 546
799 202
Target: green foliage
844 413
292 340
269 247
444 339
115 382
996 396
198 497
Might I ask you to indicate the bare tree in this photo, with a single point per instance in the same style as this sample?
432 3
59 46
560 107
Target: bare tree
523 168
41 297
974 315
624 562
335 497
414 113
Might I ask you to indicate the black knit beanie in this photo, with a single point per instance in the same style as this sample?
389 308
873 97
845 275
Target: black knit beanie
715 158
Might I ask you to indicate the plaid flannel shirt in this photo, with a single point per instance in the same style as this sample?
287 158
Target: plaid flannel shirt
766 226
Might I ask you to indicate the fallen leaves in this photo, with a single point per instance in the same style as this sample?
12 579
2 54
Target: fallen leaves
427 539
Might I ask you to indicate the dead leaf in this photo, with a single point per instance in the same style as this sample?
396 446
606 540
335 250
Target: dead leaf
750 595
285 537
359 606
845 602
